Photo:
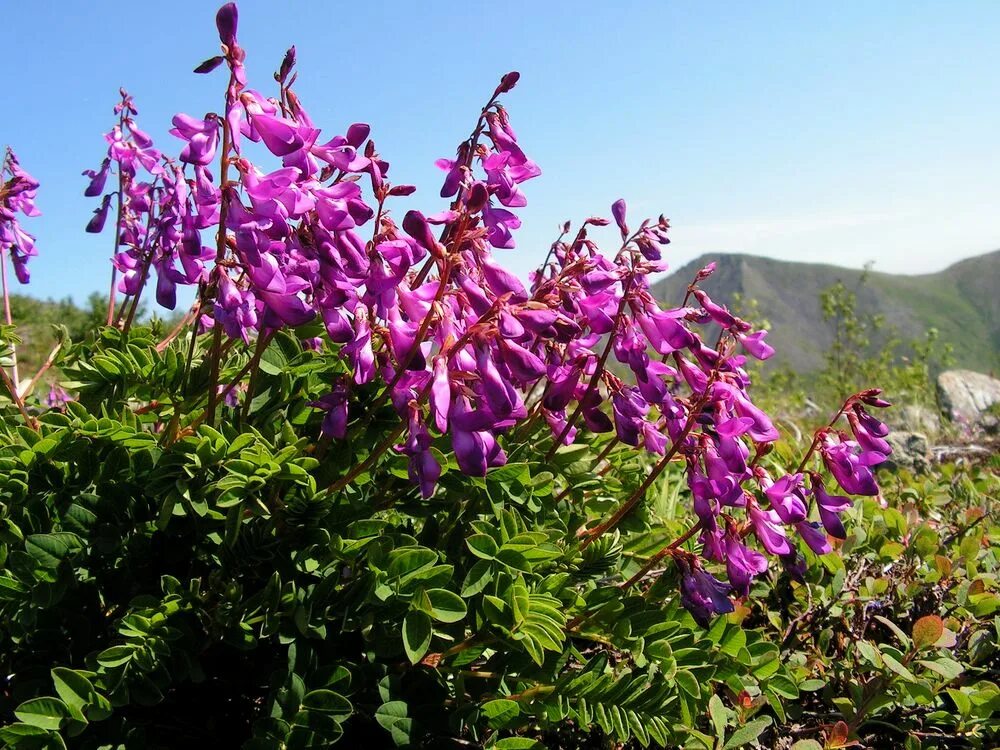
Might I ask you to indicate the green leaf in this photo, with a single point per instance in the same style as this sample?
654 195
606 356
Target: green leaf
12 734
73 687
11 589
273 361
45 713
947 668
477 579
748 733
784 687
520 600
895 629
734 640
688 683
962 701
446 606
807 745
51 549
518 743
719 714
869 653
417 634
409 560
392 717
500 712
514 559
482 545
328 702
898 668
970 546
115 656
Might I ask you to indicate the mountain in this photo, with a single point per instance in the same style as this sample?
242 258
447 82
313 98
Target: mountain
962 302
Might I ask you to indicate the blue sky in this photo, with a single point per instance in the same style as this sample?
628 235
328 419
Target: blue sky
835 132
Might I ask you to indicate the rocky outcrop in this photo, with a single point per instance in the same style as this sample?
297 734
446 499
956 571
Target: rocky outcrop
910 450
914 418
966 397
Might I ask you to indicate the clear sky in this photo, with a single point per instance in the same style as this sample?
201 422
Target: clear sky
837 132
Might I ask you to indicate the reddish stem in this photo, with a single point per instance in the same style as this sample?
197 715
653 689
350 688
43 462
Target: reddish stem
593 534
220 255
9 320
596 377
193 312
818 435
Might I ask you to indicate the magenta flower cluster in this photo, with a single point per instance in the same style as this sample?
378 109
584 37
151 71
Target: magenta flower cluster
17 196
158 219
459 346
778 506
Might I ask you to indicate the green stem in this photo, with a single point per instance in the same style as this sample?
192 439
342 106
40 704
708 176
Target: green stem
9 320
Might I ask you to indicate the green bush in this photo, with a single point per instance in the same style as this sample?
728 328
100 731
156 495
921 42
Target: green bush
156 592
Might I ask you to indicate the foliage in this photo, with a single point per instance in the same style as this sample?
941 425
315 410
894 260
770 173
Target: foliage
864 350
153 594
210 579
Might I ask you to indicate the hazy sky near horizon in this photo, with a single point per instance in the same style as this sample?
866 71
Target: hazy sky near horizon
837 132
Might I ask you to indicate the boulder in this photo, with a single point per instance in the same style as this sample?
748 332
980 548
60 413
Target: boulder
910 450
966 397
914 418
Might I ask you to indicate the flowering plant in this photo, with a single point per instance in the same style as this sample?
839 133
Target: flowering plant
374 459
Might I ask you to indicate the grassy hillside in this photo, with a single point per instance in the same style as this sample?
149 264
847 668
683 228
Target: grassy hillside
962 302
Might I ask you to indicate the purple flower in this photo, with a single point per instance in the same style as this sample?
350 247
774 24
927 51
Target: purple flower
850 465
788 498
830 507
359 351
476 449
866 431
97 179
335 405
17 195
424 470
702 594
742 563
795 566
814 536
449 339
281 136
766 525
202 138
58 397
719 313
454 177
755 344
96 223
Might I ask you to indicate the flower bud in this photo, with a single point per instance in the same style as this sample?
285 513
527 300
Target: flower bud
210 64
286 65
225 21
96 224
508 82
618 211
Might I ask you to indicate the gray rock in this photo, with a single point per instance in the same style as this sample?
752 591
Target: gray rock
965 396
913 418
910 450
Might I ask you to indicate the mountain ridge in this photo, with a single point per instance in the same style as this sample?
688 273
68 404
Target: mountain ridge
962 301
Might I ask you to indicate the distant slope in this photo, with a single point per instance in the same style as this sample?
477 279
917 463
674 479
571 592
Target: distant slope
962 302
